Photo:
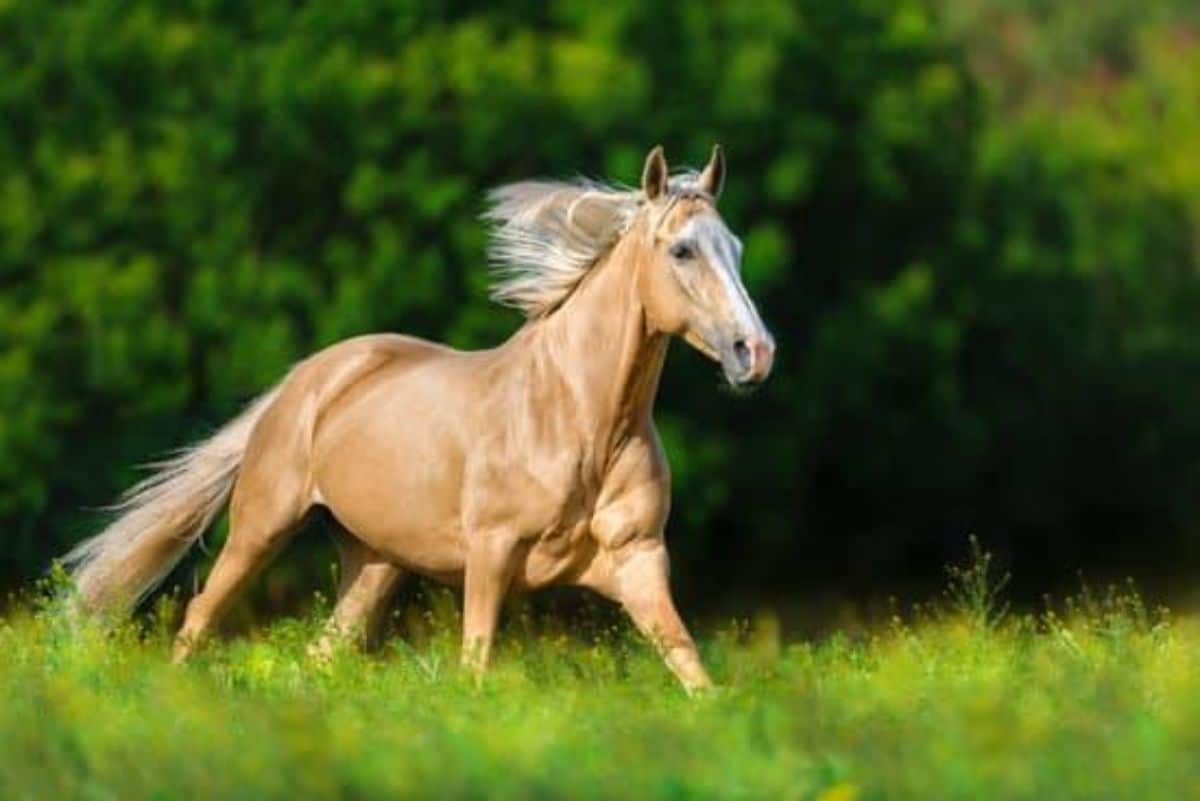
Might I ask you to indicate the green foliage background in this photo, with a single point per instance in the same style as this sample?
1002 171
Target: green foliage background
974 227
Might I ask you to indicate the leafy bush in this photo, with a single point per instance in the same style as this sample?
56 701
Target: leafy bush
983 306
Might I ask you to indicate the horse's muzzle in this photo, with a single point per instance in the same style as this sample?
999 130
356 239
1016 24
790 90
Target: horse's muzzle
753 357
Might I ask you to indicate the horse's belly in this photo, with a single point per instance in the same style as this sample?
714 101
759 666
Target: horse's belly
408 522
409 543
393 479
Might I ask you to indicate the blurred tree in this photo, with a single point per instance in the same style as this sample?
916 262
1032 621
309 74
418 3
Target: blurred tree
982 281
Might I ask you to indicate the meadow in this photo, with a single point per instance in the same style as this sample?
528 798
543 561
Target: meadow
958 700
973 226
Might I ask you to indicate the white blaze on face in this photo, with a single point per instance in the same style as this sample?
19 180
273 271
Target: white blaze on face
721 254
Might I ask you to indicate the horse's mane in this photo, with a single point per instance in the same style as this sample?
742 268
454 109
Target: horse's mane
548 234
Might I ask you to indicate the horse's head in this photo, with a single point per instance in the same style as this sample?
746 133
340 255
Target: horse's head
691 281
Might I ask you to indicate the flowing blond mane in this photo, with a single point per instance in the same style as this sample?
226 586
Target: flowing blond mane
547 234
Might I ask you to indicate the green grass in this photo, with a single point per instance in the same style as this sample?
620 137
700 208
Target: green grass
1101 701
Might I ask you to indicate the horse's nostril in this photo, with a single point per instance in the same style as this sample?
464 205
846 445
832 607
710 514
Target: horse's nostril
744 356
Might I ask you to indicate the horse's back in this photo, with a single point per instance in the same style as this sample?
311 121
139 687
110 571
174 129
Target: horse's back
343 364
315 385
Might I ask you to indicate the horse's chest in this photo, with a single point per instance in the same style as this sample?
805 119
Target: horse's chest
550 503
540 497
555 514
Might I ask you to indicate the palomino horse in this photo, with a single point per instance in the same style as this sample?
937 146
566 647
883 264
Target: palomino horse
531 464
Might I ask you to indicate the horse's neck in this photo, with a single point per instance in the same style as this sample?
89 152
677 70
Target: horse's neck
598 347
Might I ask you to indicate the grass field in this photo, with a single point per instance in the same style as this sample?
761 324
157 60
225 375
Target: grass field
1101 701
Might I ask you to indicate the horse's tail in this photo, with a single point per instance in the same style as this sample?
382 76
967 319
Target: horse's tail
160 518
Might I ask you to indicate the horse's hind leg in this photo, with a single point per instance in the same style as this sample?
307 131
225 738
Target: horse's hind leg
368 582
268 505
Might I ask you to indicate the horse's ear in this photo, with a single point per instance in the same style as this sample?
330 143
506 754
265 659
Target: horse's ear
712 180
654 174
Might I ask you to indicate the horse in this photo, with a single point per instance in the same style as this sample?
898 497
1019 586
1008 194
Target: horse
531 464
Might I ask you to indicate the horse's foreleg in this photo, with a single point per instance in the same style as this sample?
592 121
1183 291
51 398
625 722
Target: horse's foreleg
491 560
368 582
639 582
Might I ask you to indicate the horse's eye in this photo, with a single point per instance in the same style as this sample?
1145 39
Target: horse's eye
683 251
